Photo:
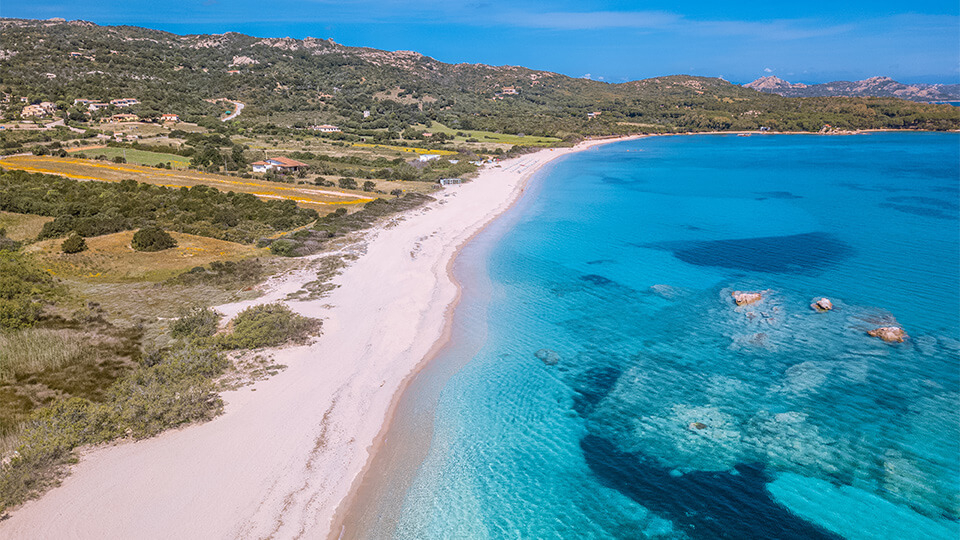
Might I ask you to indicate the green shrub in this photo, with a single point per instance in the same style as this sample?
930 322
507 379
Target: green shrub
152 238
281 247
23 288
74 244
224 273
177 390
195 323
268 325
347 183
369 185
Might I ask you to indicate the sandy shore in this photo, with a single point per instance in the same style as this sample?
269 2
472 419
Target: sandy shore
287 450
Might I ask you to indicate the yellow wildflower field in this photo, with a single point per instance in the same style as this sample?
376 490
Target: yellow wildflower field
321 199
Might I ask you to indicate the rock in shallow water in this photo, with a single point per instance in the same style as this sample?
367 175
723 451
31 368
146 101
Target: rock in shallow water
743 298
821 305
890 334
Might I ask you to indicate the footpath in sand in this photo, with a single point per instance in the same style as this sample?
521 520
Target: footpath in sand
287 449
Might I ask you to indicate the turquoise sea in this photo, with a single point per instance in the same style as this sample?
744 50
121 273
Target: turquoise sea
602 383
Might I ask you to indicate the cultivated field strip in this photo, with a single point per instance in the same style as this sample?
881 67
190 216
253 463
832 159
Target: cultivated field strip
84 169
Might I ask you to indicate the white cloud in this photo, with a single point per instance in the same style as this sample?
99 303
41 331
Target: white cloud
585 76
768 70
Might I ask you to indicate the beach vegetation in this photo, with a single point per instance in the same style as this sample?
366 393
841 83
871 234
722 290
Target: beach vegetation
178 389
268 325
195 323
228 274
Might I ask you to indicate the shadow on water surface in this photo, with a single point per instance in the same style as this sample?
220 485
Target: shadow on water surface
793 254
702 504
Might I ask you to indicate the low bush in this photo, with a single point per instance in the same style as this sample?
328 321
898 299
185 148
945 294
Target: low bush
195 323
73 244
152 238
225 274
24 287
268 325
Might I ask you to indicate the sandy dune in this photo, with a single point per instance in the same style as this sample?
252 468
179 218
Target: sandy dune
288 449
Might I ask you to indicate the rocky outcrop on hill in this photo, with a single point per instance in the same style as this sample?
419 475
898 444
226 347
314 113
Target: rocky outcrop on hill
872 87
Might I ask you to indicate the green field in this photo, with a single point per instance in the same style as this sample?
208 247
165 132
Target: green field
489 136
139 157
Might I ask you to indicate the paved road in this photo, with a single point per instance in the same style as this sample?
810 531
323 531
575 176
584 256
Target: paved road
237 109
60 123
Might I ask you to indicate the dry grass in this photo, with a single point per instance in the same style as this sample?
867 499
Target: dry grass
321 199
38 349
111 259
22 226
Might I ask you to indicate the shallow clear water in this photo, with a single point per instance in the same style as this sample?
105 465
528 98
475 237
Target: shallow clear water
614 390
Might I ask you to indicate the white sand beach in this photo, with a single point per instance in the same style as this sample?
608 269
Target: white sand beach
287 450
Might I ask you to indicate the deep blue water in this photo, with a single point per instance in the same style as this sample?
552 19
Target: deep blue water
614 390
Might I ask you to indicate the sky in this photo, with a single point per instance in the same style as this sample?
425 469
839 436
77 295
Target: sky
812 41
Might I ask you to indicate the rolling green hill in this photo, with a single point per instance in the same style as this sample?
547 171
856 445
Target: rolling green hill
295 83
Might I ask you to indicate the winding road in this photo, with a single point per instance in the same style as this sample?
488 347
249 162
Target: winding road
237 109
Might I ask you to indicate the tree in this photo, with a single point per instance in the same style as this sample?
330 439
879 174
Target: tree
348 183
74 244
369 186
152 238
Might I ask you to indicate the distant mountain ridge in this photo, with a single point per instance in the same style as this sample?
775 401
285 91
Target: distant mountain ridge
872 87
296 83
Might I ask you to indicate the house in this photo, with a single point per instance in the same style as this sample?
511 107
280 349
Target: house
84 101
123 118
509 91
93 107
76 54
233 71
764 128
593 114
279 164
132 137
33 111
366 114
326 128
124 102
428 157
168 117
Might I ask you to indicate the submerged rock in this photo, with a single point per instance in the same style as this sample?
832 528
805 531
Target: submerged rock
890 334
821 305
744 298
548 357
688 437
665 291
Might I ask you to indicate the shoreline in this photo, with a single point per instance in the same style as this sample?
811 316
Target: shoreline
348 504
289 450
